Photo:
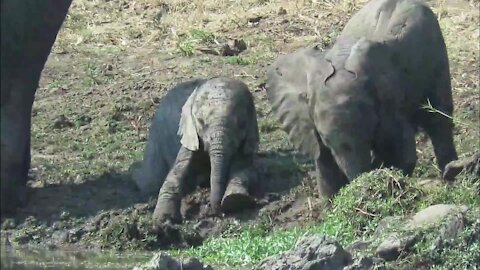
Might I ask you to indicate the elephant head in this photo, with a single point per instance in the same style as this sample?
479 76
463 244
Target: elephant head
342 105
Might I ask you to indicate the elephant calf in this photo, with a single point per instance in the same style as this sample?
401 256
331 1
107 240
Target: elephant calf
217 138
366 92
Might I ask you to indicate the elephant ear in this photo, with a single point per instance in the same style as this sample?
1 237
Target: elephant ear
287 89
187 128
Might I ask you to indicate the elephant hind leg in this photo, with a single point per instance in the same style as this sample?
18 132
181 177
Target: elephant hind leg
174 187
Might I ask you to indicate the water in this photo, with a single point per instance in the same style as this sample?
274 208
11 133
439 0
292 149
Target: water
42 258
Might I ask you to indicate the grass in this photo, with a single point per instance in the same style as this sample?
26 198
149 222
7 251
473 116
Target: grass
355 213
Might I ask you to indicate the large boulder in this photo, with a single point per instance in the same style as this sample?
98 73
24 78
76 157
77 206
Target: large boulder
318 252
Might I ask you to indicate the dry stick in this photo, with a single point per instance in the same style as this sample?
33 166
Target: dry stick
365 212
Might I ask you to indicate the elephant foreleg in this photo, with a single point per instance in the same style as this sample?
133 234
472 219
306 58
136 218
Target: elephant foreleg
237 195
329 176
173 189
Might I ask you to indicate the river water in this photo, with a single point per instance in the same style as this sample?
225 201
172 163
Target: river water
36 259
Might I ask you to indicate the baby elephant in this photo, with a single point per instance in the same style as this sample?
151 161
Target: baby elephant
217 137
366 93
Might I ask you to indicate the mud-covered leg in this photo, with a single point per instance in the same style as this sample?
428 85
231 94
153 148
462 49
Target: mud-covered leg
236 195
329 176
172 190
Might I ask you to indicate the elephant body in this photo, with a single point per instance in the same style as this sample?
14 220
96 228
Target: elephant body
365 93
217 139
29 29
159 156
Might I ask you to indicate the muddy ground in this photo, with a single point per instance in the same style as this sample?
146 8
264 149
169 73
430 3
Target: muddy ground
113 61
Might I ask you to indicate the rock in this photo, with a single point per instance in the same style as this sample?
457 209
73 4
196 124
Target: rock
387 224
162 261
434 214
391 248
470 165
194 264
454 225
362 263
358 246
312 253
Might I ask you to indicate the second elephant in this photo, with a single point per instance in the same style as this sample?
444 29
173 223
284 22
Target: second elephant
218 139
366 93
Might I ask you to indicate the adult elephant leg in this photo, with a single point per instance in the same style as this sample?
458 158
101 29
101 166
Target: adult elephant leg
242 175
173 189
28 31
329 176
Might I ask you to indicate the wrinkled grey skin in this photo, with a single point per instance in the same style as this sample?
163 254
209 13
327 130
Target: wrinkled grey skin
159 156
29 29
365 94
218 139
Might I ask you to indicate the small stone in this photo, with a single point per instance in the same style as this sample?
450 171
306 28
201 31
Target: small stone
358 246
362 263
195 264
391 248
161 261
282 11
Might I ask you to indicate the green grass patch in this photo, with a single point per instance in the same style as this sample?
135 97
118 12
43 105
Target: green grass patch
238 60
355 213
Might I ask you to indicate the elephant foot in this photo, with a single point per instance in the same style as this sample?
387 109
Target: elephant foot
470 165
167 210
236 198
13 196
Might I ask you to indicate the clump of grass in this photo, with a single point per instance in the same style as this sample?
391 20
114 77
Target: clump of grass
193 39
359 206
237 60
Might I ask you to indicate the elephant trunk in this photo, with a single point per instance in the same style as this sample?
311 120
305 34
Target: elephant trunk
219 162
354 163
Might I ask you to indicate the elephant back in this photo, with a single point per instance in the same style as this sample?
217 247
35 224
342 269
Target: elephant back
167 117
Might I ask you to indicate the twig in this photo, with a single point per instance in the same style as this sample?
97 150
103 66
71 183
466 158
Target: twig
364 212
